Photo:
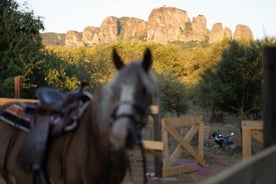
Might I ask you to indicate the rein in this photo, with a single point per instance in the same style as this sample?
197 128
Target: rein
137 119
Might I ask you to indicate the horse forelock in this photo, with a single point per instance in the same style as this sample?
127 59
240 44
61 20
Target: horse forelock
134 72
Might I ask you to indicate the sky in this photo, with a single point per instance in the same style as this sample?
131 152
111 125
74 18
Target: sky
60 16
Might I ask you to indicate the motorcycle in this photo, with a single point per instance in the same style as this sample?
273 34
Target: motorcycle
225 142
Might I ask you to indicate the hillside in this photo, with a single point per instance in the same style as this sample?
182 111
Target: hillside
52 39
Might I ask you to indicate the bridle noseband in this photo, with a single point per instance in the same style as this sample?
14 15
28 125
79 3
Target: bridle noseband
139 117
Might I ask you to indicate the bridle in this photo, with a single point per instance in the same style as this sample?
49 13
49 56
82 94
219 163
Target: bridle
138 120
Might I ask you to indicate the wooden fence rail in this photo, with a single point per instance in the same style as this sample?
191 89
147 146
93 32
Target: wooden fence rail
7 100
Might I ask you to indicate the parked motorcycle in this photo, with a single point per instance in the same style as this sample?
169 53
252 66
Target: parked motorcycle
225 142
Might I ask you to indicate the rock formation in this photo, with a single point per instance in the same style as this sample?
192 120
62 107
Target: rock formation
218 33
134 29
165 25
73 39
243 32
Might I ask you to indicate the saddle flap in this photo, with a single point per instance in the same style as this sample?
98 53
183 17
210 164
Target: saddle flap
33 149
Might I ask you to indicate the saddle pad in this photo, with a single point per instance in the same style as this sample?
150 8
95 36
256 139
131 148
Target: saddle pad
15 116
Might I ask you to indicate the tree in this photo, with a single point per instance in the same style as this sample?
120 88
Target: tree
234 85
20 44
173 95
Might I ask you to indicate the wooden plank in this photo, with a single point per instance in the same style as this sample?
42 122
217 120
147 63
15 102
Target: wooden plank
260 168
201 140
184 121
176 170
187 138
258 125
166 146
185 144
258 135
246 143
17 86
7 100
153 145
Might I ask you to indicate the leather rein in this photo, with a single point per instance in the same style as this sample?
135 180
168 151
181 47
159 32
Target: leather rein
140 119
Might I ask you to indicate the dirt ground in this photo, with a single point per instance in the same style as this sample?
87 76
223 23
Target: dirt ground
216 159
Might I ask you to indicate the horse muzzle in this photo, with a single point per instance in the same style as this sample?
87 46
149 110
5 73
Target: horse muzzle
124 133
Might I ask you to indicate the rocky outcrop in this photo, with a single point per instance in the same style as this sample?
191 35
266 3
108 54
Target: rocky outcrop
134 29
218 33
200 31
91 36
243 32
109 30
73 39
164 25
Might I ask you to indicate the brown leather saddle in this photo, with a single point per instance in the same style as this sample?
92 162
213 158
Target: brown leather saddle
50 116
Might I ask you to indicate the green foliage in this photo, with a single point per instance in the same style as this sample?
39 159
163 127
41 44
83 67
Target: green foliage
234 85
198 59
20 44
60 80
173 95
53 38
168 59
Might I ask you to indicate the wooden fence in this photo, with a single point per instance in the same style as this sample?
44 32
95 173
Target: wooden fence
251 129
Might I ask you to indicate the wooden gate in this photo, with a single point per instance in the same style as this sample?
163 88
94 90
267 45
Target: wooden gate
171 127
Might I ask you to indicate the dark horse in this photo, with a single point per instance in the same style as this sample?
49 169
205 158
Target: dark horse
95 150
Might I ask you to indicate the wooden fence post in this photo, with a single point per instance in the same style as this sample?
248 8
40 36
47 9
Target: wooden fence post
157 137
269 93
17 86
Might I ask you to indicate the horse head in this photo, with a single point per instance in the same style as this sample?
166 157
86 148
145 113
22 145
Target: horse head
133 89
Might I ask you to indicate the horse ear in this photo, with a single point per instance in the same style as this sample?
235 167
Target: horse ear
117 60
147 61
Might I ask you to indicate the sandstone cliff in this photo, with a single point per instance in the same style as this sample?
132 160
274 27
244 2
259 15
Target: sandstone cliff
164 25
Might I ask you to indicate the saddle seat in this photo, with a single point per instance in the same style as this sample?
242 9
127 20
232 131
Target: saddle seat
51 115
51 98
52 101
